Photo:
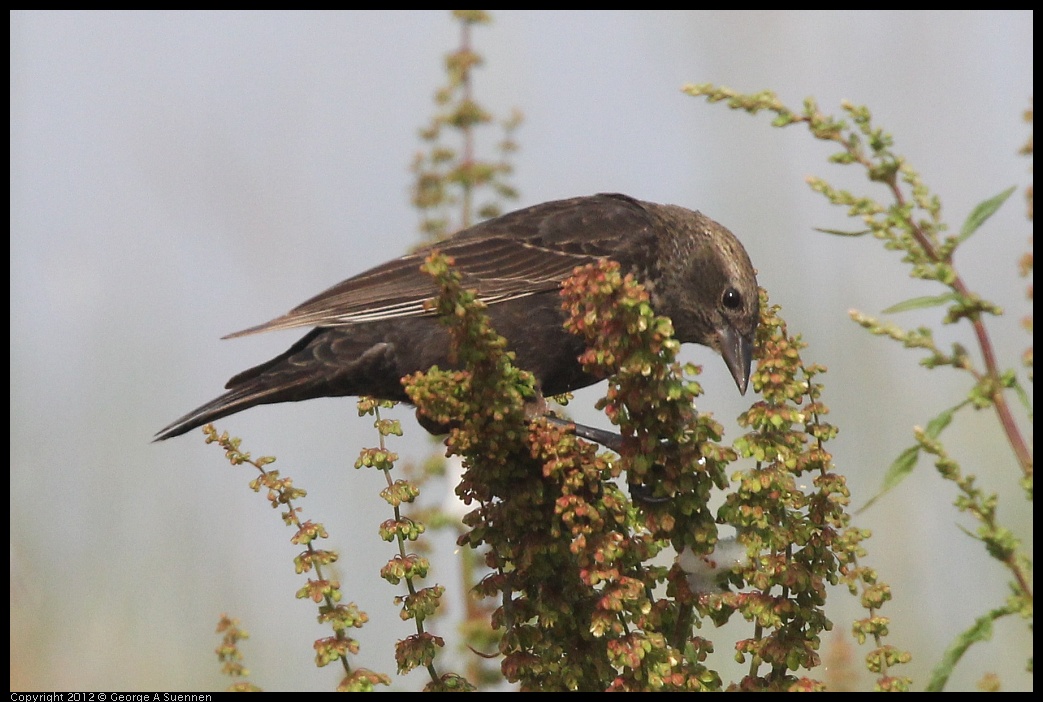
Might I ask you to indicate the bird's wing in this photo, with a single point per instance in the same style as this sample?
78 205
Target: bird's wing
517 255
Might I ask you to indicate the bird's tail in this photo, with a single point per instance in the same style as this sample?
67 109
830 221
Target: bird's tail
277 380
324 363
249 394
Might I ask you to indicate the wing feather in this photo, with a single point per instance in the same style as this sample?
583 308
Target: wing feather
517 255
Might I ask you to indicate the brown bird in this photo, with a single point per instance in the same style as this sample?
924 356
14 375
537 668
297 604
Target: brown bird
372 329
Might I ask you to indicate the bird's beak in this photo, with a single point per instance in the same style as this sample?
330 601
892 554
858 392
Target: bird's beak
737 351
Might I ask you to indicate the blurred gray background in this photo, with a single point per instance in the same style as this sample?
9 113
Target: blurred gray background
176 176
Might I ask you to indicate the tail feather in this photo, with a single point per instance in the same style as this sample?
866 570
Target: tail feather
324 363
242 397
277 380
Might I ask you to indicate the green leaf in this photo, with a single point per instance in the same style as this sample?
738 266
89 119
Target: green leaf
902 466
982 212
1026 401
981 630
840 232
936 425
899 470
920 302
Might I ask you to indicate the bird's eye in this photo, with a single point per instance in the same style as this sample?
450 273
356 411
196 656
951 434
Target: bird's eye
732 299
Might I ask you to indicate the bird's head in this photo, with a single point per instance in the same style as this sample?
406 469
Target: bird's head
708 288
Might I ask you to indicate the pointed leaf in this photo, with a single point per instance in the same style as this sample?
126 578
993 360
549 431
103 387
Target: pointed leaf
899 470
935 426
981 630
840 232
983 211
920 302
1026 401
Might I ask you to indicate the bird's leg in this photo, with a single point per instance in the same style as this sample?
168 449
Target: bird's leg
608 439
537 407
641 494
